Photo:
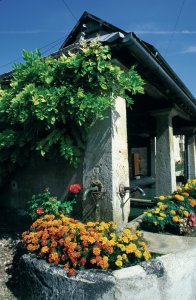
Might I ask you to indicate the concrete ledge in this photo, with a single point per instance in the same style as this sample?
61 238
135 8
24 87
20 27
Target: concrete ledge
171 276
166 243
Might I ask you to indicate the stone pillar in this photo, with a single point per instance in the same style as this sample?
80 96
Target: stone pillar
152 158
191 164
165 164
106 160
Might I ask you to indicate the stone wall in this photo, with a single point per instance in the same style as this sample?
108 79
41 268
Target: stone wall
171 277
38 174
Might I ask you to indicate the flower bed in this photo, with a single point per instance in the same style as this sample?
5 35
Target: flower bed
77 246
174 213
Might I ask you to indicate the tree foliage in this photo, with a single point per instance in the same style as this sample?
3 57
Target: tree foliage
50 102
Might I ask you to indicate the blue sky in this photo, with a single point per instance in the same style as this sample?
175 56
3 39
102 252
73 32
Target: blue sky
169 25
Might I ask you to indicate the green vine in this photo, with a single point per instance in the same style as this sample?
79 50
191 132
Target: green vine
49 103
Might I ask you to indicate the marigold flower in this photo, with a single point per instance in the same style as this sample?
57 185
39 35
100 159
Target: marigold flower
118 263
96 251
179 197
72 272
124 256
93 261
147 255
192 202
161 198
44 250
172 212
130 248
119 257
175 219
186 213
138 253
83 261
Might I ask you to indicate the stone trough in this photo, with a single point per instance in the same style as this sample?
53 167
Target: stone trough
171 276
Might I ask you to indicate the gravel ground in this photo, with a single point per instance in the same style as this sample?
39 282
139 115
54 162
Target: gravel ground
8 242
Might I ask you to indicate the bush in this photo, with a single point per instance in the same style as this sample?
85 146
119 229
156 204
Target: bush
174 213
79 246
45 203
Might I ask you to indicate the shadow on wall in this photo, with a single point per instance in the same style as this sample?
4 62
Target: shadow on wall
35 177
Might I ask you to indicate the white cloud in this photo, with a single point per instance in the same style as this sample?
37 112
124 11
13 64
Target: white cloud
190 49
164 32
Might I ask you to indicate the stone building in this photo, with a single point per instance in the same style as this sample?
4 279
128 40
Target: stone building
130 143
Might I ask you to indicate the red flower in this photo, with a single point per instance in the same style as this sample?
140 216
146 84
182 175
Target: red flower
83 261
72 272
40 211
74 188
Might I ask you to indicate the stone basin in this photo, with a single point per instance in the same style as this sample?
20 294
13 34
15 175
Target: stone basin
171 276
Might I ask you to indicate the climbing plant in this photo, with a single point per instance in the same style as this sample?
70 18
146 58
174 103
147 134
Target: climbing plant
49 103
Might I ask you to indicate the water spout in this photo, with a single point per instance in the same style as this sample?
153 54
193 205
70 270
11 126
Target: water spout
89 190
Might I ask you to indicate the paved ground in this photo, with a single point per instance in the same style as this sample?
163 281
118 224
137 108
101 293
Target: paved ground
8 242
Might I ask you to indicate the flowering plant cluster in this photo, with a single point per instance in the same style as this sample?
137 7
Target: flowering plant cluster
79 246
45 203
174 213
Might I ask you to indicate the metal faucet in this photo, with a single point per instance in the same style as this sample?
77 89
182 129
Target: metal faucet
89 190
132 189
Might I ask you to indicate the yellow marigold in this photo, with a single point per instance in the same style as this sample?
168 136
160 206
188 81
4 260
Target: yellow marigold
96 251
185 194
164 206
172 212
90 224
138 253
125 239
133 237
179 197
44 250
186 214
139 233
192 202
118 263
155 223
91 240
130 248
119 257
160 218
162 214
147 255
113 235
175 219
180 220
105 258
179 190
161 198
121 246
124 256
182 207
149 215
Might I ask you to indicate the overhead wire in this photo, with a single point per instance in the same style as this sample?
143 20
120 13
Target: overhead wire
17 59
58 41
69 9
175 26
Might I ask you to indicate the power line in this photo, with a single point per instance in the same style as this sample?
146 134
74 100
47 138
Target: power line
69 9
175 25
58 41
